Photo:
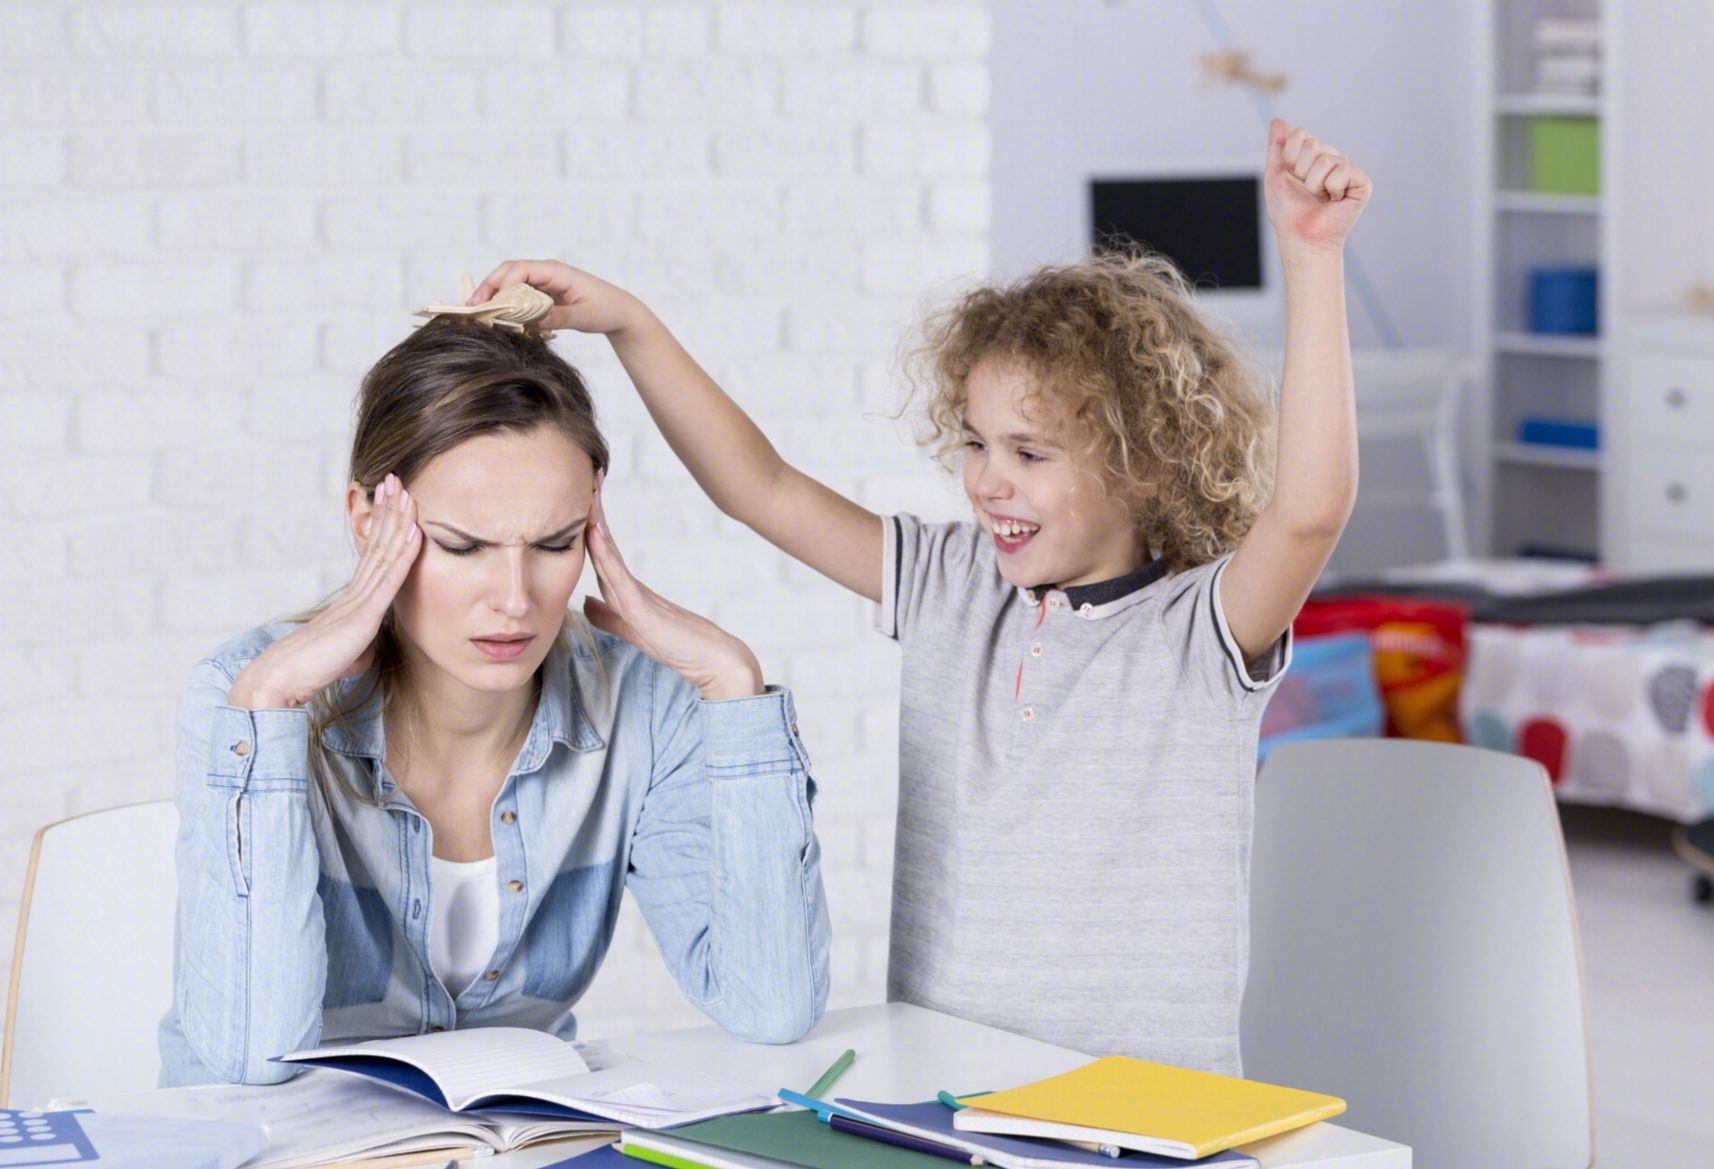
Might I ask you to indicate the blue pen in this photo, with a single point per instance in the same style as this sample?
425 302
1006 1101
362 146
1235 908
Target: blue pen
821 1108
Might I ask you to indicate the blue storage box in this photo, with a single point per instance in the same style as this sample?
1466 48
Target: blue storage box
1562 300
1330 692
1566 432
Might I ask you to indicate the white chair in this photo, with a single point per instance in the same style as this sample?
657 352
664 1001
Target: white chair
93 970
1414 949
1410 505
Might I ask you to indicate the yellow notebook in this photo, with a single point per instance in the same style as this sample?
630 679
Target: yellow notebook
1151 1107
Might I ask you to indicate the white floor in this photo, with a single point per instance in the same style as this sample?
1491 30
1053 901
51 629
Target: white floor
1648 954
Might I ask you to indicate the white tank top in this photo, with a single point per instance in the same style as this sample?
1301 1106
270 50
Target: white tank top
466 924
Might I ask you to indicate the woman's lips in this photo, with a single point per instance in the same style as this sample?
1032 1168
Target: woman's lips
503 649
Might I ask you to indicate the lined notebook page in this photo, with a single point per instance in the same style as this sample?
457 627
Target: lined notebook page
653 1094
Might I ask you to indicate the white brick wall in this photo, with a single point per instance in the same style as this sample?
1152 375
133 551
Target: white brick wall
215 216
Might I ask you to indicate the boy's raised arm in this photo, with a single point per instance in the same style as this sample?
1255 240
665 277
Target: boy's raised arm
1314 196
731 459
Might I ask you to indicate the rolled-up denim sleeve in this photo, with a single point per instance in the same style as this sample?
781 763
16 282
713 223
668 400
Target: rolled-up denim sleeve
725 864
250 950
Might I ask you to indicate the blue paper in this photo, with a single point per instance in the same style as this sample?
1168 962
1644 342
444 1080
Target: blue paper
115 1141
606 1157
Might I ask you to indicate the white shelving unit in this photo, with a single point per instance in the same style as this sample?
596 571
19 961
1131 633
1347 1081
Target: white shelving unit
1537 498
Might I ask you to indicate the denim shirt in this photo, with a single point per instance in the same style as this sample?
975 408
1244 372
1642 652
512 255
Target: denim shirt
301 923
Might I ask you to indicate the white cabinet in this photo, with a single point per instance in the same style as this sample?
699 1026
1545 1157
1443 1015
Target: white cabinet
1659 479
1662 484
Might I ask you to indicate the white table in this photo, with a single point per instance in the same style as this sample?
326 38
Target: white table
906 1053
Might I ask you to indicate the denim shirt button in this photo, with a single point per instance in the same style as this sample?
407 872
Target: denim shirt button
515 886
241 748
491 976
508 816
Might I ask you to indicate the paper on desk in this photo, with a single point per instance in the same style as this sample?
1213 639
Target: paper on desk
149 1142
311 1119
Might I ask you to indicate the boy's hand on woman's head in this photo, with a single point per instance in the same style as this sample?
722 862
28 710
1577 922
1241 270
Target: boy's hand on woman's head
583 302
1314 193
716 663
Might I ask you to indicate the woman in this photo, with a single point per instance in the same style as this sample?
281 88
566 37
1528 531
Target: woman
417 807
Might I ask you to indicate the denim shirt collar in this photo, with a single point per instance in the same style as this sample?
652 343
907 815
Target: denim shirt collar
560 717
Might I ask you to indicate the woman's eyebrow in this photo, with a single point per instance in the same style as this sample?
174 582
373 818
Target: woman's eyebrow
564 533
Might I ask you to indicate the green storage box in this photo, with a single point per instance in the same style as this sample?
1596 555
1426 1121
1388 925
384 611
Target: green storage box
1565 156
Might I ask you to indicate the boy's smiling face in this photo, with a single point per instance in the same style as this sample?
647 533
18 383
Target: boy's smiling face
1050 519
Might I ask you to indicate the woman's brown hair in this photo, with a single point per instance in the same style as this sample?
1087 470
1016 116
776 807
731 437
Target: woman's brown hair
448 382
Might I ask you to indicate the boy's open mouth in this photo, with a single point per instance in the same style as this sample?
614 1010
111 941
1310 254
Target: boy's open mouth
1011 535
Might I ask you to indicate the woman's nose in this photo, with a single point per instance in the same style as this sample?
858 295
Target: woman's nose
510 585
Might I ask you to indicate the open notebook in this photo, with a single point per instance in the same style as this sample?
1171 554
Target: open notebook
321 1118
514 1069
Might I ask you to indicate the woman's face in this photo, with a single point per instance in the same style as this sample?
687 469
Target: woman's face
502 519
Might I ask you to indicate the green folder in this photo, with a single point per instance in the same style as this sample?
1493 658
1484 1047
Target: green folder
1565 155
796 1138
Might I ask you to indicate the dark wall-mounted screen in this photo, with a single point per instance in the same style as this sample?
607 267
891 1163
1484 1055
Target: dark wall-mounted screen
1210 227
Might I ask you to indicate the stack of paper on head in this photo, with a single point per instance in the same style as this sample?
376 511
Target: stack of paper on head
1150 1107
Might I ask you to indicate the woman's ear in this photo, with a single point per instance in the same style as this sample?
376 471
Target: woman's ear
359 511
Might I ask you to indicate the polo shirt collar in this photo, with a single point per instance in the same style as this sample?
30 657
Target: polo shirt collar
1095 598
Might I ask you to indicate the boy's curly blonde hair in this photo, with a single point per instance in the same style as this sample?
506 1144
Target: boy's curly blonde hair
1142 390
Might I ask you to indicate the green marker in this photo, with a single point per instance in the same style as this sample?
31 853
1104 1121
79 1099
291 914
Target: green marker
831 1074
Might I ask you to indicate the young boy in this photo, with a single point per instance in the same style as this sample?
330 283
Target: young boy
1085 666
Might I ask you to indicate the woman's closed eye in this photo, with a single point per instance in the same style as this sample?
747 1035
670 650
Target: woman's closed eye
473 549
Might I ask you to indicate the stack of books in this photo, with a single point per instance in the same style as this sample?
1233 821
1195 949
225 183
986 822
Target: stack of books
1114 1113
1567 56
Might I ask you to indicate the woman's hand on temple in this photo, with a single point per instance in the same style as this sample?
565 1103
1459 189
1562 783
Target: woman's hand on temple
716 663
581 301
339 641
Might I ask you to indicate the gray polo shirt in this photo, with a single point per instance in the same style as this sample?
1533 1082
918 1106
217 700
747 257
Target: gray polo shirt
1076 773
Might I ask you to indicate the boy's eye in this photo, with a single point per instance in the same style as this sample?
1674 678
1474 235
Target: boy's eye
972 444
1029 456
456 550
556 549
